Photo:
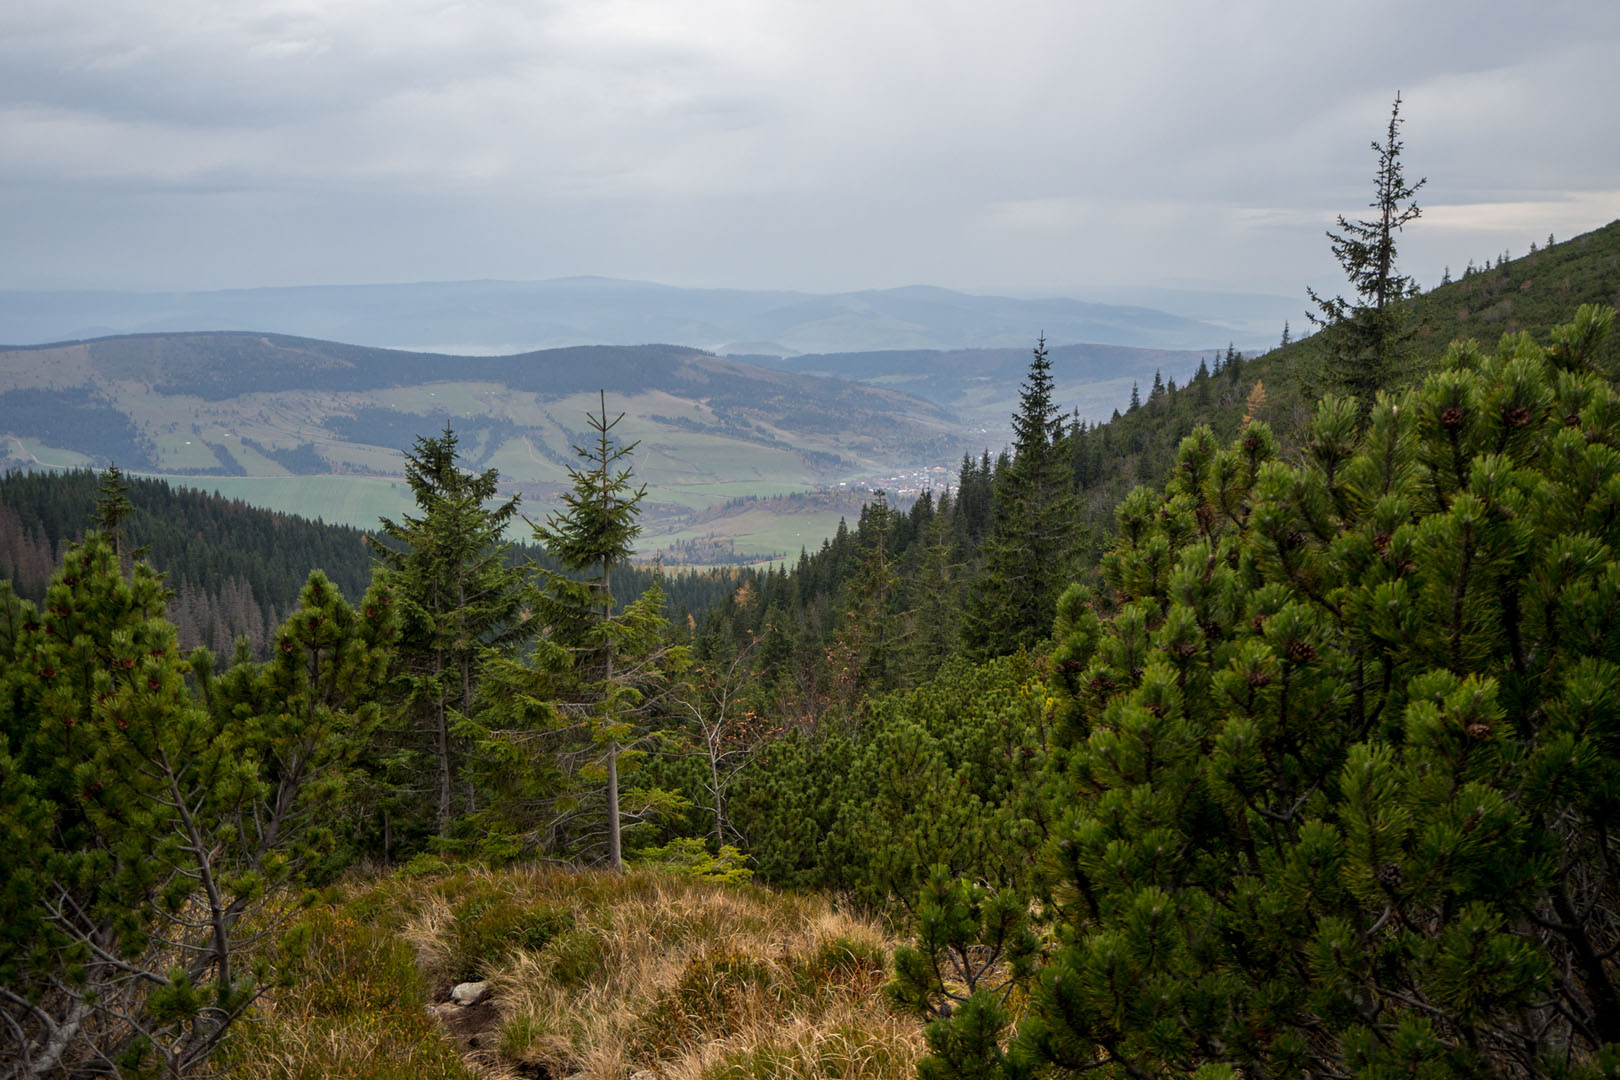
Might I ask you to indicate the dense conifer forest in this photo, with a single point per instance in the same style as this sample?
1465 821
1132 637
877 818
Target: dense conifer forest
1267 729
234 569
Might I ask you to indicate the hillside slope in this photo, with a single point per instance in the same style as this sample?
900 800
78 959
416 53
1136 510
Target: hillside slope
265 409
1531 294
981 385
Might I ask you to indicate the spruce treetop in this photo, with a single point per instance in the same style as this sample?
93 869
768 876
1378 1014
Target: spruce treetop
1038 421
1370 332
599 525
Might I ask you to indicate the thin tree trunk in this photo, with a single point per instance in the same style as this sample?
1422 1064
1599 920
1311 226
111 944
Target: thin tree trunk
719 805
466 664
61 1038
442 738
615 854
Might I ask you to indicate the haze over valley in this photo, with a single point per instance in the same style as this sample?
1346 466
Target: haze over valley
521 316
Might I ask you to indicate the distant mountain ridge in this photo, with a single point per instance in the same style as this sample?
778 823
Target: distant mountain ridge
225 366
981 385
220 364
520 316
318 428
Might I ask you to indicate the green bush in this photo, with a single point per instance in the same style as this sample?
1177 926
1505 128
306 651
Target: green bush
1342 743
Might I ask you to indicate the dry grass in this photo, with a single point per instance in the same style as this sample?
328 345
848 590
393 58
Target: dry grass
594 976
351 1006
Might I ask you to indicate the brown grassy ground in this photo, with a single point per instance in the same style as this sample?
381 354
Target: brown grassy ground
592 976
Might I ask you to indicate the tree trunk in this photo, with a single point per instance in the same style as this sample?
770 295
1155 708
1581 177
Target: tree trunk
614 853
441 735
719 802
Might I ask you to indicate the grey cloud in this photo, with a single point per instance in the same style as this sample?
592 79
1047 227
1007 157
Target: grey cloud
834 144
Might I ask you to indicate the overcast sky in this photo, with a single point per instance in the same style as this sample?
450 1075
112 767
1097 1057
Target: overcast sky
1022 146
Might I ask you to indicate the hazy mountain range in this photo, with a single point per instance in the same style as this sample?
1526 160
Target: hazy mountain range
484 317
980 386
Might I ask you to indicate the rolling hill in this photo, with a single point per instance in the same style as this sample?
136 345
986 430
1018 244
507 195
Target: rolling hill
318 428
981 385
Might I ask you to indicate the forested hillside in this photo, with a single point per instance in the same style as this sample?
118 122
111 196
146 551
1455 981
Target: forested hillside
235 570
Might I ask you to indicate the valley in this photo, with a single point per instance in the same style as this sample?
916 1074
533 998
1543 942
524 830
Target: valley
319 428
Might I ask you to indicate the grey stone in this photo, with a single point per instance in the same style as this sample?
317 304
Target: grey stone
469 993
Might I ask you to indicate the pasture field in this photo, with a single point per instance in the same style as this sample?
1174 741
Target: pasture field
681 458
338 500
455 398
760 532
253 463
50 457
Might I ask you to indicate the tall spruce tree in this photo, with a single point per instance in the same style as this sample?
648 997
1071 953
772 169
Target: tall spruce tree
1028 555
113 506
870 634
1369 337
458 596
619 662
936 609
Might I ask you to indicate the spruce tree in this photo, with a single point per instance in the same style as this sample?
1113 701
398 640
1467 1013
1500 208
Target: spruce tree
871 633
113 506
458 596
1034 535
1369 339
975 497
936 608
619 663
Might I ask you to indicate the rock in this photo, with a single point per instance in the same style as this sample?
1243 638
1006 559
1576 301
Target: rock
469 993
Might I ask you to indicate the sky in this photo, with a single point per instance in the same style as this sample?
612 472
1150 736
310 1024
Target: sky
1024 147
